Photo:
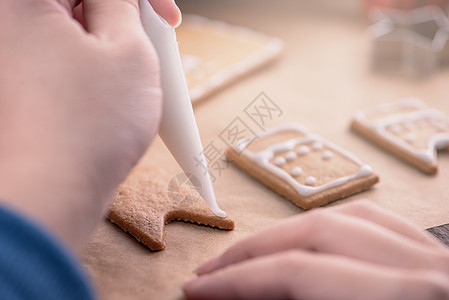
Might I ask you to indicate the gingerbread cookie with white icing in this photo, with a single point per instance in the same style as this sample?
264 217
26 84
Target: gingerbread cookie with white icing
301 166
215 53
409 129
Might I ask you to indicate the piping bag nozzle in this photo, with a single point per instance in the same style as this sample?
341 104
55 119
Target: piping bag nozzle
178 128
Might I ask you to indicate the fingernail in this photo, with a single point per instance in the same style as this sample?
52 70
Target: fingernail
190 288
179 21
208 266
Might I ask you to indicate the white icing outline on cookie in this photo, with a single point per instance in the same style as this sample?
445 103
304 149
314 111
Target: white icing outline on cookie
262 158
436 142
190 63
270 48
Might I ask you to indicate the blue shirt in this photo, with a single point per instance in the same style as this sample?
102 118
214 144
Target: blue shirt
33 265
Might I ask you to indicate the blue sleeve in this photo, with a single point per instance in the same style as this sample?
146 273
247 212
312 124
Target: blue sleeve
33 265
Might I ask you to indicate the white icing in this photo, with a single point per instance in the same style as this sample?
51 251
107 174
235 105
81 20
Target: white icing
327 155
263 159
303 150
365 170
441 144
433 116
440 125
408 125
415 103
291 155
396 128
242 143
190 63
422 123
279 161
317 146
296 171
310 180
410 137
434 122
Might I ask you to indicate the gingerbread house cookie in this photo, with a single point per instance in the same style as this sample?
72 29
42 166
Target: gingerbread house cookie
409 129
215 53
301 166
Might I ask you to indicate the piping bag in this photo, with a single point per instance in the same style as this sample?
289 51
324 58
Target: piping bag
178 128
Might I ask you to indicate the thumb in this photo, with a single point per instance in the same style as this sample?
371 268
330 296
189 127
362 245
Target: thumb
168 10
112 18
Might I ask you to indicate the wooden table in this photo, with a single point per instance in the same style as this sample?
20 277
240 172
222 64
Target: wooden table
323 77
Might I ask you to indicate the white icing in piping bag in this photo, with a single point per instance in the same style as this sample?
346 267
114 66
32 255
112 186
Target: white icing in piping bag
178 128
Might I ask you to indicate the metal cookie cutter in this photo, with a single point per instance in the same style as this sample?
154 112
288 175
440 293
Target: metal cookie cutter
412 43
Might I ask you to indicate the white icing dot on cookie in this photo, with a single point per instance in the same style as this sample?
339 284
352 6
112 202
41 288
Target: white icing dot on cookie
440 125
327 155
291 155
317 146
296 171
434 122
303 150
190 63
396 128
410 137
408 125
280 161
365 170
422 123
310 180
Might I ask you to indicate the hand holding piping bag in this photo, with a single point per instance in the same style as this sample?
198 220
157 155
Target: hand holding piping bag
80 103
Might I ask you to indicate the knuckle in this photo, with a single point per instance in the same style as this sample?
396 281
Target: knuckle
317 221
291 261
133 3
437 285
363 204
431 285
319 215
441 259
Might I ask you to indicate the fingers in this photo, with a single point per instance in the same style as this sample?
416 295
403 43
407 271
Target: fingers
303 275
329 232
117 18
112 19
168 10
105 18
68 4
78 15
21 12
369 211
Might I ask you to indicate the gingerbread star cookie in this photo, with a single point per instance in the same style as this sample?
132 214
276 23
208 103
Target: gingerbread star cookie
409 129
148 199
301 166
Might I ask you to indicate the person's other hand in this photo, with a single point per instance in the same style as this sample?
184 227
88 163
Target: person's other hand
80 101
353 251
